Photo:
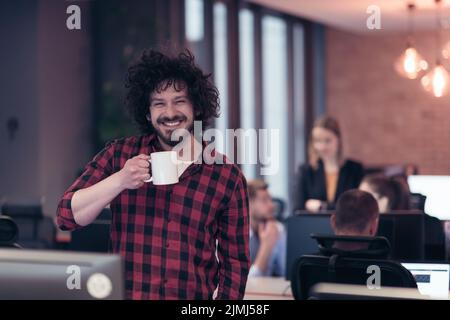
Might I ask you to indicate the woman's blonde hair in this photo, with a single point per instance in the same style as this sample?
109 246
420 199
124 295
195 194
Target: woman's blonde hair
329 124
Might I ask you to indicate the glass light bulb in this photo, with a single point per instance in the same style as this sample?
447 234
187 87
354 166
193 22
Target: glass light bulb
410 64
446 51
436 81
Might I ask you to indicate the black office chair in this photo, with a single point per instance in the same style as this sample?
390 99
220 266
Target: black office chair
417 201
347 267
434 239
36 230
9 232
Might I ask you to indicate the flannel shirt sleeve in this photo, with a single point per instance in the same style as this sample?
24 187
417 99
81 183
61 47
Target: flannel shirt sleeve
233 243
96 170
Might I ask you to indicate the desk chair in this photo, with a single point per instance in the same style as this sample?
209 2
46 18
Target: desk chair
9 233
36 231
333 265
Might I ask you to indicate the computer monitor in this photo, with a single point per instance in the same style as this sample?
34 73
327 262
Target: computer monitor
432 279
405 232
299 230
58 275
435 188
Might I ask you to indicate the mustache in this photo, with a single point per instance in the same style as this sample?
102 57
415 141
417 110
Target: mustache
163 119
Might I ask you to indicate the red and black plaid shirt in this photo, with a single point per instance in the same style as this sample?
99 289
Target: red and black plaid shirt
167 234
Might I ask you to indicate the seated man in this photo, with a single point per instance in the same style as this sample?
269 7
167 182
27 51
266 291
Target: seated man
356 214
267 235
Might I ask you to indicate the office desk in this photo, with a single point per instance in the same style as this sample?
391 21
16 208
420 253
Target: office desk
268 288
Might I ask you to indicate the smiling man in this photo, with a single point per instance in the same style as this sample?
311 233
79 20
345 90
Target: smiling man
179 241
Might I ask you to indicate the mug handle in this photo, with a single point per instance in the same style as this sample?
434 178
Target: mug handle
151 178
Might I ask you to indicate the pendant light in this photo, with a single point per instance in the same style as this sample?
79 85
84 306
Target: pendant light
410 64
437 80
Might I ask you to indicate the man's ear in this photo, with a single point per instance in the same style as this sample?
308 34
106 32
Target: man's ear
333 222
383 204
374 227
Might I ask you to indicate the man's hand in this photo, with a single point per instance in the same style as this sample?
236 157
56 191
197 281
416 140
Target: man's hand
268 234
135 172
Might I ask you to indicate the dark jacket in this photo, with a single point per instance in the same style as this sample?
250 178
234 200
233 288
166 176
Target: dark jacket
311 183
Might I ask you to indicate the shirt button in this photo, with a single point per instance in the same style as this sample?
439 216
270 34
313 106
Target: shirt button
167 244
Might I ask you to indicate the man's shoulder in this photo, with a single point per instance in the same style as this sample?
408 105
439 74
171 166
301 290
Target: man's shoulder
221 163
282 230
224 171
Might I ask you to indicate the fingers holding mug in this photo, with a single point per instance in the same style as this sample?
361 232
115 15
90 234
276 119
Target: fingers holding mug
147 177
143 163
134 171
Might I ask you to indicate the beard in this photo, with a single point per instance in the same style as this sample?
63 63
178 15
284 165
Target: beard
167 138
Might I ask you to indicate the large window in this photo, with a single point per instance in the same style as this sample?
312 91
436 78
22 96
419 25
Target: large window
221 69
275 100
299 95
269 75
194 20
247 86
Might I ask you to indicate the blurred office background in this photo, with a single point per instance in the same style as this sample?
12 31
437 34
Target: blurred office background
277 64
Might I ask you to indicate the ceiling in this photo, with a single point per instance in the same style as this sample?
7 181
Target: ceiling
351 14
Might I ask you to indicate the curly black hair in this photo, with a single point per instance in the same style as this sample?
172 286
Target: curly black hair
155 71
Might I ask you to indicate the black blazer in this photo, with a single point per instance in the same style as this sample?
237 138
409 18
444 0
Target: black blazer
311 183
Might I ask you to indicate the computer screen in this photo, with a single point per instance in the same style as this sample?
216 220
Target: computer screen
406 234
432 278
59 275
435 188
299 241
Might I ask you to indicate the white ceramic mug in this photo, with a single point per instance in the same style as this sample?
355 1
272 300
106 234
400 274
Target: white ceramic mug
166 168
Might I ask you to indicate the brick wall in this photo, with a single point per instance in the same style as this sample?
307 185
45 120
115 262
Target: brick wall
385 119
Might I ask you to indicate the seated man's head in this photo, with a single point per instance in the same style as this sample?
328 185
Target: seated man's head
391 193
356 214
261 205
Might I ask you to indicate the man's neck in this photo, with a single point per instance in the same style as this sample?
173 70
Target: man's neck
350 246
186 152
164 146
